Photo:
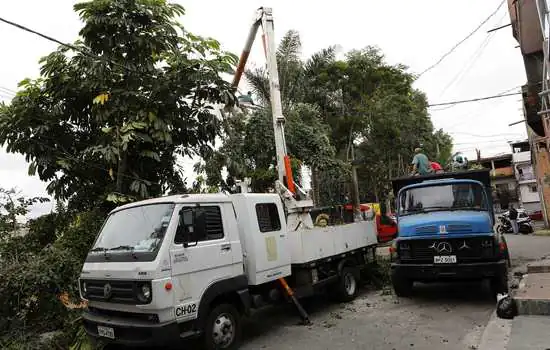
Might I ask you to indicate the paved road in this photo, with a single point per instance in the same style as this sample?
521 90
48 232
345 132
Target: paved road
439 316
527 247
446 316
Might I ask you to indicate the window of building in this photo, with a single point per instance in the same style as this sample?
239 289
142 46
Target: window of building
533 188
268 217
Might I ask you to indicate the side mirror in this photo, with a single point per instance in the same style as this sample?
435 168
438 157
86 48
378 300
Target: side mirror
186 227
192 226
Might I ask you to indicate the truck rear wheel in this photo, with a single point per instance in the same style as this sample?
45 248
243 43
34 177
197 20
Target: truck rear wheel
346 290
499 284
403 287
223 328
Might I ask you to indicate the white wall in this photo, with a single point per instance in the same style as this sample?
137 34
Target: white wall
521 157
526 193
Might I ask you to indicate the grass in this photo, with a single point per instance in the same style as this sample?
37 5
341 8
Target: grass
542 232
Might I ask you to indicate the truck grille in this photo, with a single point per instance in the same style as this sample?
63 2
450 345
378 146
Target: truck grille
462 228
148 318
426 229
123 292
466 249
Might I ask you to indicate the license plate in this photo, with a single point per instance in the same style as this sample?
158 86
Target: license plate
444 259
106 332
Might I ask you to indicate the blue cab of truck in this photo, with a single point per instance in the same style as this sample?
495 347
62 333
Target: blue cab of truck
446 232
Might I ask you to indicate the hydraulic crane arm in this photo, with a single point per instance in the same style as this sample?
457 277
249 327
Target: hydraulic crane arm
296 201
264 18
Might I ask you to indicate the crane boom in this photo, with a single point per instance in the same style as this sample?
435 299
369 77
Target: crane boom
298 206
264 18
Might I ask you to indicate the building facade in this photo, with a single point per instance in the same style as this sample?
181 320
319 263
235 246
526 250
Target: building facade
525 176
503 181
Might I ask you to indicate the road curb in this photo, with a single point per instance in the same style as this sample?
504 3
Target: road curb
496 334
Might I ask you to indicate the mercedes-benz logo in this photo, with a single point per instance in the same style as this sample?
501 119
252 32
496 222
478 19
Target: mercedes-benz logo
444 247
464 246
107 289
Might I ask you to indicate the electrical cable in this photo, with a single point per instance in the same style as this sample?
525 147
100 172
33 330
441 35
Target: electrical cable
473 59
460 42
69 46
7 91
474 99
482 136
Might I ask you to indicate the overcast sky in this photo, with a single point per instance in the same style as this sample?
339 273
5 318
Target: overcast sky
414 33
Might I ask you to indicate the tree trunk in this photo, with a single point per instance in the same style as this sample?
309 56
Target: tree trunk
122 163
315 186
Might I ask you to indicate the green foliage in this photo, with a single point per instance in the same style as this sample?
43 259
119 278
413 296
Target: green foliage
111 127
32 284
329 106
33 281
12 206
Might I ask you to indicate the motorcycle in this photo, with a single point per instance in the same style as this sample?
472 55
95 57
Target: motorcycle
525 226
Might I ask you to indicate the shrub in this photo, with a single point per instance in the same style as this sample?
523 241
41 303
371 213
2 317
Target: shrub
34 280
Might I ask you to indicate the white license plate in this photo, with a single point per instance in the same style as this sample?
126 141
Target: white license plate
106 332
445 259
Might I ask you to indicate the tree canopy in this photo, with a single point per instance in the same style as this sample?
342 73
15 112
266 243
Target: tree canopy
108 119
331 106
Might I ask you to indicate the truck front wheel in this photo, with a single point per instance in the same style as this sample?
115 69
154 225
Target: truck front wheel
403 287
223 328
346 290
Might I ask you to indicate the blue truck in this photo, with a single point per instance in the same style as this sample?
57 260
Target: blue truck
446 232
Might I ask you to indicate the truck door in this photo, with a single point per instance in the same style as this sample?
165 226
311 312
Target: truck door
270 247
201 254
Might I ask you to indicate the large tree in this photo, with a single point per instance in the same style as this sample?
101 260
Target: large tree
109 115
333 107
248 148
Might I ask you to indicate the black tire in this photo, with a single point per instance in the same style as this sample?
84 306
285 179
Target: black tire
346 289
500 229
499 284
219 319
403 287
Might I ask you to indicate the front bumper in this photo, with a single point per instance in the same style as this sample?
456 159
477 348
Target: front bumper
461 271
132 332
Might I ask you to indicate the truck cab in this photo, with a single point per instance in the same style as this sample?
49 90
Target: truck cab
446 232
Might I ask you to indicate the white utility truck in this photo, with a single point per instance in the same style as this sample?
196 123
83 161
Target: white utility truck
187 266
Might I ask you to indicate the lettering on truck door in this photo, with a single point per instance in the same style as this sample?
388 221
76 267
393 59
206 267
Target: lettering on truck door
201 254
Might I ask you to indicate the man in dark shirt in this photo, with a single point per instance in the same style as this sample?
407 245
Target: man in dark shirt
513 215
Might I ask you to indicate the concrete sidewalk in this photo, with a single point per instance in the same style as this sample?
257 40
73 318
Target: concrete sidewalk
530 330
530 333
533 295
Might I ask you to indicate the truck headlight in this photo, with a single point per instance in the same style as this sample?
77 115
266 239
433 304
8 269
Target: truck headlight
84 288
144 293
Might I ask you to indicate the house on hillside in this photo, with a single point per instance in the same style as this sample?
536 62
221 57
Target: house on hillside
503 181
525 176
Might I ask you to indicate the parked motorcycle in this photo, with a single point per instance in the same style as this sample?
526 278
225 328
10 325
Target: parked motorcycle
525 225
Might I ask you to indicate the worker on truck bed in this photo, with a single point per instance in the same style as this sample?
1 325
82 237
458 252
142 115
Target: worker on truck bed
421 163
436 167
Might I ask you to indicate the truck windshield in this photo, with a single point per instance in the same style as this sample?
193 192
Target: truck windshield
457 196
138 229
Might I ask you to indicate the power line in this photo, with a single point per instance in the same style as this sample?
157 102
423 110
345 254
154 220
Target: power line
473 99
499 94
69 46
482 136
473 59
461 41
7 91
